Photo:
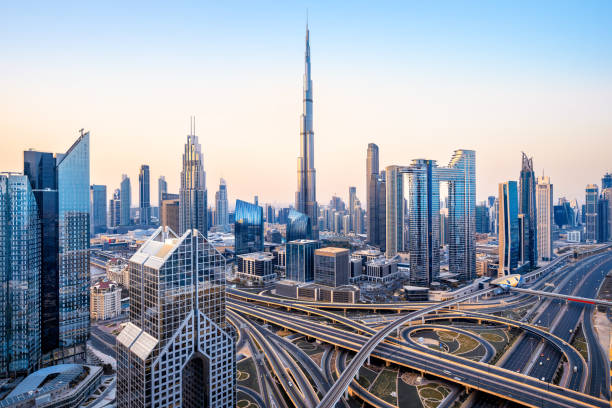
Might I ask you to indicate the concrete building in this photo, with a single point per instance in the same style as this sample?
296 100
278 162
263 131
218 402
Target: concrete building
117 270
256 267
178 348
380 270
331 266
104 300
544 211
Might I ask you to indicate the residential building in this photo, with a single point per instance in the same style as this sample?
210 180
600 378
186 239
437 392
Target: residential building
97 209
590 213
178 349
544 211
306 195
61 187
509 240
144 187
105 300
193 207
20 277
331 266
248 228
114 211
300 260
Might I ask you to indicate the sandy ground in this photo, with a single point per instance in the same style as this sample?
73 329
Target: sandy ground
603 327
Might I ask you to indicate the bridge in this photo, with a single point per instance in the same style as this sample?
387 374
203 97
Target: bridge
567 298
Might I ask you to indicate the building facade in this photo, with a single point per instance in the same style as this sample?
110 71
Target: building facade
169 214
126 200
193 211
306 195
509 240
97 209
248 228
61 187
257 267
20 277
331 266
527 206
114 210
178 349
144 196
300 260
298 226
590 213
162 188
544 204
221 206
105 300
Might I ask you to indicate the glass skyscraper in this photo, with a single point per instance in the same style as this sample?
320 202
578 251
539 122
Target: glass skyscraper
298 226
144 197
97 209
162 188
193 210
20 274
126 200
509 240
178 350
300 260
527 206
221 206
376 198
61 187
248 228
590 214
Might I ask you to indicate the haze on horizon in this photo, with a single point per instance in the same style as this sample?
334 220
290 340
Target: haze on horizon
419 80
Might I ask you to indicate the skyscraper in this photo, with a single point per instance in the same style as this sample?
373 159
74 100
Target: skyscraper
248 228
603 216
544 202
606 181
591 233
300 260
482 219
97 197
527 206
352 199
162 188
193 194
298 226
144 188
61 187
169 214
376 198
509 241
114 211
126 200
607 195
221 210
20 275
306 195
178 349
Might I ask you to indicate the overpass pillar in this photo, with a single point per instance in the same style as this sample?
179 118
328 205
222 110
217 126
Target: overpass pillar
368 360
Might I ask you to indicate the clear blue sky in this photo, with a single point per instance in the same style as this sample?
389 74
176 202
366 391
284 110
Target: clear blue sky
418 78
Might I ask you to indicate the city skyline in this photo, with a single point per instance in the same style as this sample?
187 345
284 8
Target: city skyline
519 84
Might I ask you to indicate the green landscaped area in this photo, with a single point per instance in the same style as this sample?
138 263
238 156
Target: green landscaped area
385 386
579 343
432 393
366 377
245 401
309 347
247 374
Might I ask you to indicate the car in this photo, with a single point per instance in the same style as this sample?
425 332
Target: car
458 378
447 372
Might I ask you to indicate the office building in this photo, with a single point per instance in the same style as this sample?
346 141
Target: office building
193 207
114 210
381 270
97 209
527 206
20 277
443 226
424 177
221 207
509 240
144 188
169 214
61 187
607 195
248 228
376 198
162 188
298 226
482 219
269 212
606 181
300 260
352 203
256 267
126 200
306 195
105 300
178 349
590 213
331 266
603 217
544 211
358 221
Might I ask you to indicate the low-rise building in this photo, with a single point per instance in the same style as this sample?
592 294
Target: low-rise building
256 267
117 270
331 266
314 292
380 270
105 300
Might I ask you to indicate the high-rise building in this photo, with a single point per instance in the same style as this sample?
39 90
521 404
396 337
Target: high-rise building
544 203
162 188
221 206
424 198
482 219
20 277
300 260
269 212
357 221
298 226
97 210
590 213
607 195
352 201
169 214
606 181
527 206
603 217
331 266
248 228
144 188
193 195
61 187
509 240
371 190
126 200
306 195
114 210
178 349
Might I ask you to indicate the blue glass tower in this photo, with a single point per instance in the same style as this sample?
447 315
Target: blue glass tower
20 272
298 226
509 240
527 206
61 187
248 228
300 260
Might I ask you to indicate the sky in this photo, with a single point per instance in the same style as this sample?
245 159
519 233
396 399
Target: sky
420 79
